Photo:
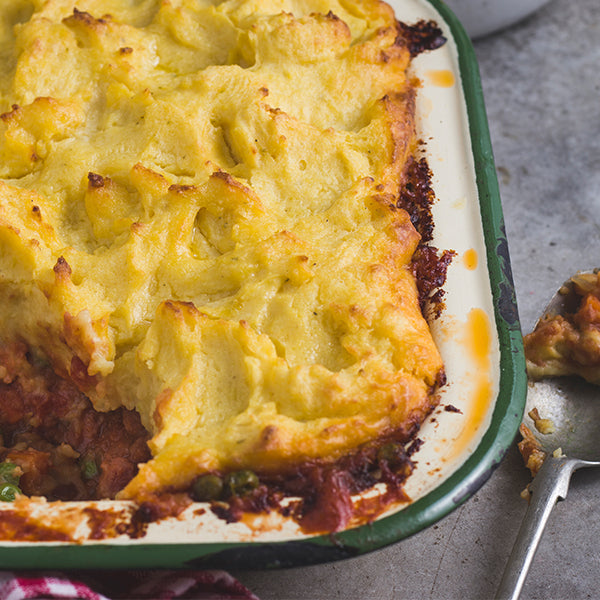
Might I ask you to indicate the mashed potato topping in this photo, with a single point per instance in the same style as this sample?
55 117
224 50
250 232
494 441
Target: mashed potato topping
199 222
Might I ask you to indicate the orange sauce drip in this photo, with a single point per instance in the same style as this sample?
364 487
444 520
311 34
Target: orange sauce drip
441 78
478 343
470 259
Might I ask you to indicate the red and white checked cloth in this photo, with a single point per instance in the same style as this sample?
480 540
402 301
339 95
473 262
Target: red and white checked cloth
123 585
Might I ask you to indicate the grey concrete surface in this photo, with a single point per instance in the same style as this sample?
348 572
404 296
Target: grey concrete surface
541 80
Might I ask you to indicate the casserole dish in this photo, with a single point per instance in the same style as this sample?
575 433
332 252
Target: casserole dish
478 336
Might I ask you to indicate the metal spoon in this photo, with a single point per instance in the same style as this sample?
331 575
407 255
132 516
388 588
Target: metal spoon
573 406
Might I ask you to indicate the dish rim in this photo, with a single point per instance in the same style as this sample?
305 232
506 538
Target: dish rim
423 512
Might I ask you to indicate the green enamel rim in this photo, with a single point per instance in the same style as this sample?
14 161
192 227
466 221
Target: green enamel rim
422 513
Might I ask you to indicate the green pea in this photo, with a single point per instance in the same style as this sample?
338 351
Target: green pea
207 488
7 473
89 468
8 492
240 483
391 452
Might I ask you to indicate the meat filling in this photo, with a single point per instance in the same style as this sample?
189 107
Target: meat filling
65 449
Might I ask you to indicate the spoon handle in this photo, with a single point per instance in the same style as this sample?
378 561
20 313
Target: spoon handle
550 484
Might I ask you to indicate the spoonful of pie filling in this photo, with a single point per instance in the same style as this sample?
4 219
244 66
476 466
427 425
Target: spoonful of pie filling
562 423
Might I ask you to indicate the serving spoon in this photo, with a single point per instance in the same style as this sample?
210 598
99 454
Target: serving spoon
573 407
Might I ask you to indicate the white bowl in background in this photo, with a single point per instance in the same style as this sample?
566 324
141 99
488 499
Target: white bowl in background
481 17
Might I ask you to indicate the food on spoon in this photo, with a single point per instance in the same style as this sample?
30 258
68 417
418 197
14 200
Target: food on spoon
560 345
569 344
544 426
531 450
212 251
